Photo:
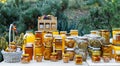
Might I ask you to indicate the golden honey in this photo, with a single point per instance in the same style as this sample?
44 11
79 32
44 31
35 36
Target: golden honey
106 57
47 53
25 58
48 40
74 32
117 58
105 34
114 32
38 57
66 58
54 57
71 52
78 59
70 42
96 56
58 43
59 52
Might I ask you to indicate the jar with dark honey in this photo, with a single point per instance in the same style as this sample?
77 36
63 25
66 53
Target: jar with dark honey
117 58
58 42
47 53
59 52
71 52
106 57
38 34
70 42
96 56
38 57
29 50
54 57
66 58
25 58
78 59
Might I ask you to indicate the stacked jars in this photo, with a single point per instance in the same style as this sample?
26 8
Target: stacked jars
48 43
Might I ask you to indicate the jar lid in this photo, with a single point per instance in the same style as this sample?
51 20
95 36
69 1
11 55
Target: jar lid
73 30
63 32
106 53
95 52
96 48
25 55
12 43
38 31
54 53
39 54
116 29
78 55
104 30
70 49
66 54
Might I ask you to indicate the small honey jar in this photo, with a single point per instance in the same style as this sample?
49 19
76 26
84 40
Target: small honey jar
47 53
70 42
117 58
71 52
78 59
74 32
48 39
96 56
66 58
106 57
38 57
59 52
25 58
54 57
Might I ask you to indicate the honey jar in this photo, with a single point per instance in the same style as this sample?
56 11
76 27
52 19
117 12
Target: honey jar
74 32
96 56
66 58
106 57
105 34
117 38
78 59
114 32
48 39
47 53
63 32
107 49
54 57
38 42
71 52
38 57
38 50
58 43
25 58
59 52
116 50
38 34
29 50
70 42
117 58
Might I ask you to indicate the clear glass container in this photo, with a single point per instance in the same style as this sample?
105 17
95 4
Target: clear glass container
117 58
78 59
71 52
25 58
54 57
47 53
96 56
38 57
106 57
48 40
70 42
58 43
59 52
106 35
114 32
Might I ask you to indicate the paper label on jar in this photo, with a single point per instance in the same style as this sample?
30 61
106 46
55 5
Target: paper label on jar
47 25
117 52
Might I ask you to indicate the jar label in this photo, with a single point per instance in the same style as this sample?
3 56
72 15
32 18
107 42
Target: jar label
41 26
47 25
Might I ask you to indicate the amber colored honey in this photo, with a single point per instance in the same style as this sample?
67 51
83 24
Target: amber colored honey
29 50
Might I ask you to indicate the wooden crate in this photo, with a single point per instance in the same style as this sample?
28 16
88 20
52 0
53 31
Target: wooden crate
47 23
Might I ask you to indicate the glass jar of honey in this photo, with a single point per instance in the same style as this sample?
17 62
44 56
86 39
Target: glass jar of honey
47 53
38 42
25 58
105 34
106 57
74 32
66 58
96 56
54 57
78 59
116 50
117 38
38 50
38 57
70 42
59 52
48 39
117 58
71 52
58 42
63 32
107 49
38 34
29 50
114 32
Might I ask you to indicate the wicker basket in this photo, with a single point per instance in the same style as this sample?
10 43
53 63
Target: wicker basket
12 57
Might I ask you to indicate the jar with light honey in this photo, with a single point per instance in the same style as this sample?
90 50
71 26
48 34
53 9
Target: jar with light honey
47 53
96 56
58 42
71 52
38 57
117 38
54 57
116 50
66 58
74 32
114 32
105 34
70 42
106 57
38 50
48 40
25 58
78 59
29 50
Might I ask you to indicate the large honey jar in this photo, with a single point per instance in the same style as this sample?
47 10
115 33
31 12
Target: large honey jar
25 58
78 59
74 32
66 58
71 52
114 32
96 56
70 42
29 50
48 40
105 34
58 42
47 53
54 57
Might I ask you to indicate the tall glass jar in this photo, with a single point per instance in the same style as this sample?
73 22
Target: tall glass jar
58 42
106 35
29 50
116 50
71 52
48 40
114 32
